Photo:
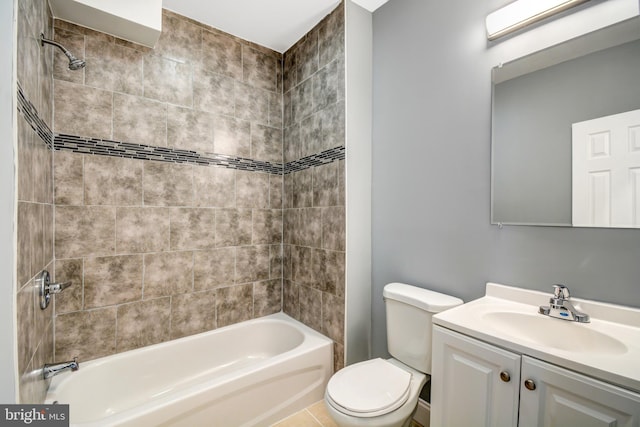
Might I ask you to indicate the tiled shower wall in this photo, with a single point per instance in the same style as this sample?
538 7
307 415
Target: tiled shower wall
168 196
314 198
35 197
158 250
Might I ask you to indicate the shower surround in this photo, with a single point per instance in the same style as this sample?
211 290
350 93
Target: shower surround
179 206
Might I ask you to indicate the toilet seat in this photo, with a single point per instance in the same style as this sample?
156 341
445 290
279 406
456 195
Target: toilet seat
369 389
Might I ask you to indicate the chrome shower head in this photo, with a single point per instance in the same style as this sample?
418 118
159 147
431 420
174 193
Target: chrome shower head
74 63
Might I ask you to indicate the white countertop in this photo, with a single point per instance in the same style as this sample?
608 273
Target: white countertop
618 363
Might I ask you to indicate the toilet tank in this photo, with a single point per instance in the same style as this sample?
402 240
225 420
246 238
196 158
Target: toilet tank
409 312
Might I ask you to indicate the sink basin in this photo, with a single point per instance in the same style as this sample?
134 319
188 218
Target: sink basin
559 334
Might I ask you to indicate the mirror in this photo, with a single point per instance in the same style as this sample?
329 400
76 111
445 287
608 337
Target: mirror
536 99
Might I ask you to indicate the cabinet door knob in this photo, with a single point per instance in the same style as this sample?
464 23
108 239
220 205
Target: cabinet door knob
530 385
504 376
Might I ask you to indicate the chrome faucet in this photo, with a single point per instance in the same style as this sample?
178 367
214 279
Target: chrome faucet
561 308
54 369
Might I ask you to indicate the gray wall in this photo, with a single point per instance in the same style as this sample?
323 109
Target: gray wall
431 173
7 203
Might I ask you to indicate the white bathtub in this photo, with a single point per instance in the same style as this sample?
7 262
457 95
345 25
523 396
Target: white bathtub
249 374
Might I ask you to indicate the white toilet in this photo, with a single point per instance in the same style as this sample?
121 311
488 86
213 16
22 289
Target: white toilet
384 393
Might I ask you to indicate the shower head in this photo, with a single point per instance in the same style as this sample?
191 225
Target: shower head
74 63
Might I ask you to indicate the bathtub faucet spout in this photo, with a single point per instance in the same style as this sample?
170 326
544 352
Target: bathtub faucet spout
54 369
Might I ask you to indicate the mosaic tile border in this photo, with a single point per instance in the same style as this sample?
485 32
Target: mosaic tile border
30 113
103 147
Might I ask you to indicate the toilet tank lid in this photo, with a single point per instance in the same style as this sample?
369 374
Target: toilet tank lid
425 299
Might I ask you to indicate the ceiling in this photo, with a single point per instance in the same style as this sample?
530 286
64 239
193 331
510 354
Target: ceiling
276 24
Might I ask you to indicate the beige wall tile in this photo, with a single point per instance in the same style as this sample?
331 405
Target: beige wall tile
232 137
266 143
331 36
290 298
302 265
221 54
192 313
69 270
189 129
167 273
213 92
167 184
252 189
68 178
252 263
35 215
74 42
26 160
276 257
167 80
112 280
267 226
24 250
192 228
252 104
142 229
333 317
214 187
275 110
307 55
325 185
85 334
139 120
113 67
275 191
112 181
233 227
311 307
259 69
82 110
214 268
267 297
42 172
25 323
143 323
180 39
234 304
82 231
333 228
302 188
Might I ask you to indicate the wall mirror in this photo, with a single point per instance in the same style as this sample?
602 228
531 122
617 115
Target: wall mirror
537 100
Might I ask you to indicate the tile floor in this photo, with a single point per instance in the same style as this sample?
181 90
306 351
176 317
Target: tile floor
315 415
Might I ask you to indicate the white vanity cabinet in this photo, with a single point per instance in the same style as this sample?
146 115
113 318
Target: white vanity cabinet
478 384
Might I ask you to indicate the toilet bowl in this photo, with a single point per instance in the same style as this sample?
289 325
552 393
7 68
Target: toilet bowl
384 393
375 393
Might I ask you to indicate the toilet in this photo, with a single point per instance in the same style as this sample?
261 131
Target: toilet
384 393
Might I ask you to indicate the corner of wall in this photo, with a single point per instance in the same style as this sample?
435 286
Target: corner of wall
359 81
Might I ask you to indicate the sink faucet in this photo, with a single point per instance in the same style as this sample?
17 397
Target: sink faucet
560 306
54 369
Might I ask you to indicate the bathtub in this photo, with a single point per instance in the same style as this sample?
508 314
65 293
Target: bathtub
253 373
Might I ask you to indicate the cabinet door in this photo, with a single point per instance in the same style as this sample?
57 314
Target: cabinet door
472 383
565 398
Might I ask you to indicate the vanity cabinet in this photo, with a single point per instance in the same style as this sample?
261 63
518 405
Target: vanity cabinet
478 384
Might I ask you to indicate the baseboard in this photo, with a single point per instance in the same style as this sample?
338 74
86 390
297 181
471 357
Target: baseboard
422 413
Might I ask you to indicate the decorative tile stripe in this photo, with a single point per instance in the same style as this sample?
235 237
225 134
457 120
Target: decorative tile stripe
161 154
103 147
327 156
30 113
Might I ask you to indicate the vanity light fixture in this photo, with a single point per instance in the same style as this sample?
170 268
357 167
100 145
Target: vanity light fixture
520 13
